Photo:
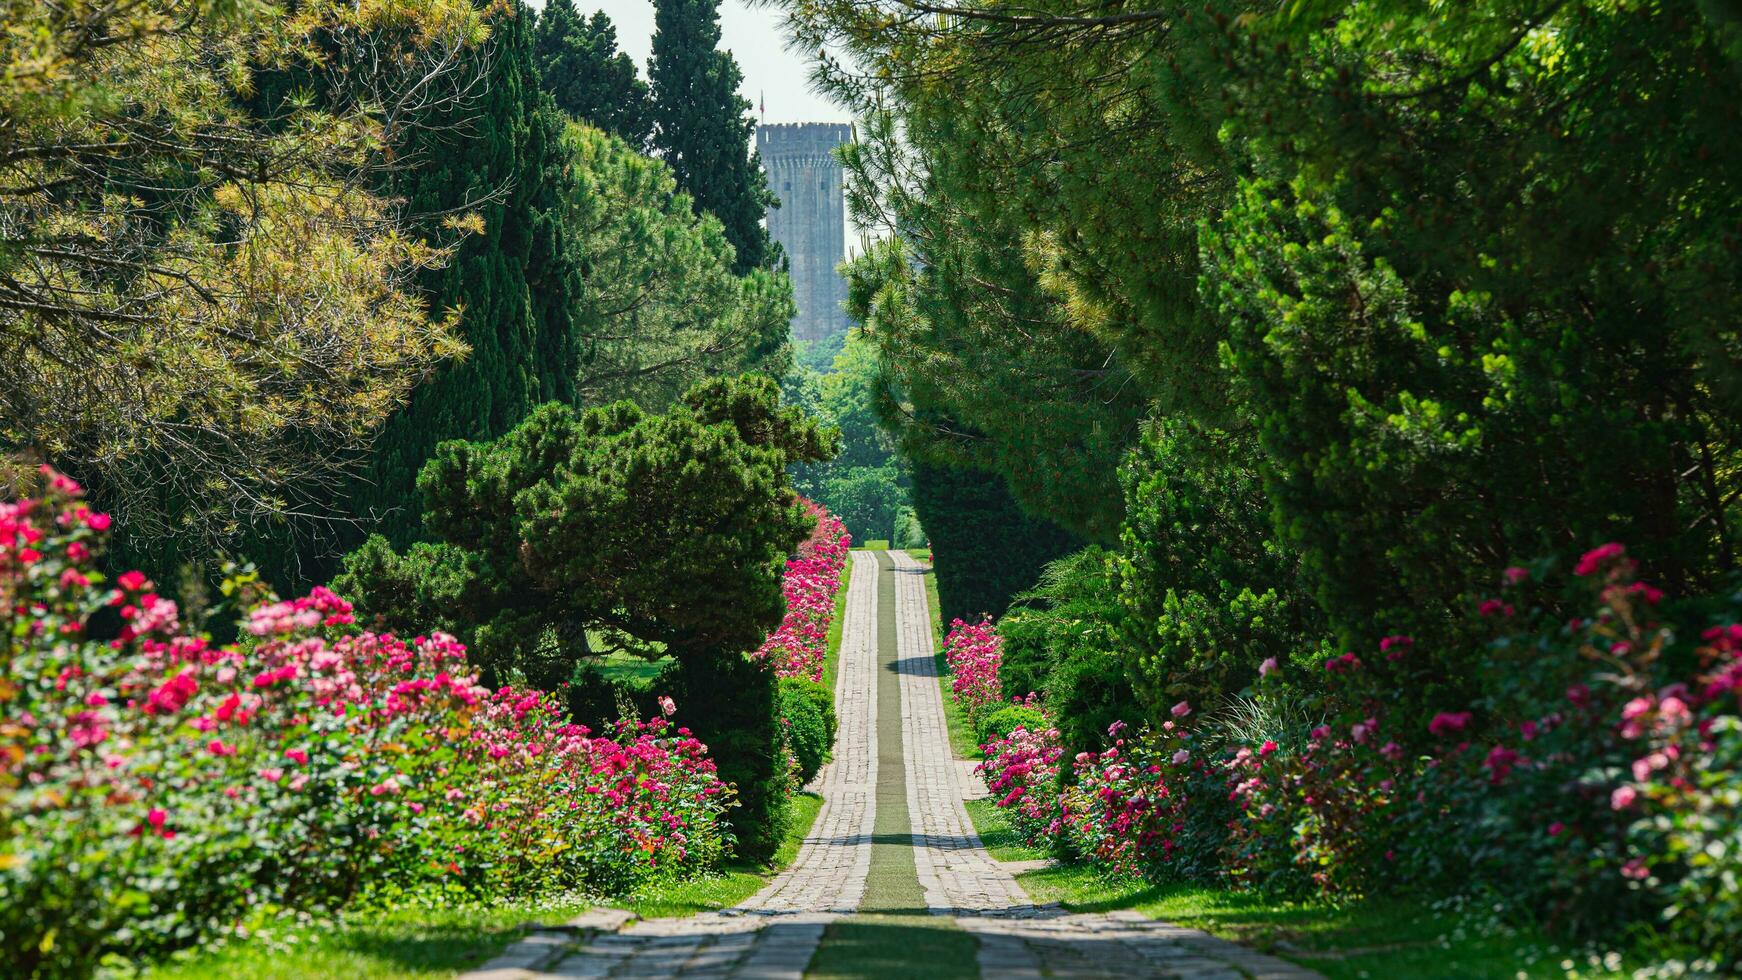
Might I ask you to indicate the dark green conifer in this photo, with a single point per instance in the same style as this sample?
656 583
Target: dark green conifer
581 68
702 126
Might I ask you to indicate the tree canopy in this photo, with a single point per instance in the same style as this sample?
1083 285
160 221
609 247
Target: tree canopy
584 531
659 306
204 308
581 68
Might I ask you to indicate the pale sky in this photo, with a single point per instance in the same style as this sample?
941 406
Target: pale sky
771 72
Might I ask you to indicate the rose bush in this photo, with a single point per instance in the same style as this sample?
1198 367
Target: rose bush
974 652
154 785
1597 784
798 646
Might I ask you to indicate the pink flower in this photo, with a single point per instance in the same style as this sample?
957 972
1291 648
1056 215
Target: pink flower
1449 721
667 706
133 581
1515 575
1623 797
1635 870
272 775
1268 667
1554 829
1597 557
297 756
1267 748
1181 757
1182 709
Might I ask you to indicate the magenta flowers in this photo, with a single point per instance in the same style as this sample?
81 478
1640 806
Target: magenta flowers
798 646
347 762
974 653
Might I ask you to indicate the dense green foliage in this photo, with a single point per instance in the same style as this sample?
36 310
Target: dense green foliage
866 484
587 77
1061 641
493 152
1323 313
207 307
703 129
659 307
579 532
807 712
1205 594
985 550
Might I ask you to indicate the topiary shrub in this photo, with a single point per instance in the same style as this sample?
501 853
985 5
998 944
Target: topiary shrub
729 701
997 724
807 716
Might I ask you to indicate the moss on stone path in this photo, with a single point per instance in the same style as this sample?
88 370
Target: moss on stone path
894 935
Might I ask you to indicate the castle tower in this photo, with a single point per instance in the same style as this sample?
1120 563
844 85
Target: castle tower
811 221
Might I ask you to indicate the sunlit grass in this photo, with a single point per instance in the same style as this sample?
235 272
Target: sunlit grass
440 939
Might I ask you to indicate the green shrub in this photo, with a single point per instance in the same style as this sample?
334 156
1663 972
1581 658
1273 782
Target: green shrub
1000 722
729 701
1207 592
1062 640
807 715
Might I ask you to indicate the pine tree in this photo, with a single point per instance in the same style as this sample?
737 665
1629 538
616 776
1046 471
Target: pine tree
701 124
581 68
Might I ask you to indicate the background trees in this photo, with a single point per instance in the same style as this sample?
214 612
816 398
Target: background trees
659 305
581 68
702 126
204 309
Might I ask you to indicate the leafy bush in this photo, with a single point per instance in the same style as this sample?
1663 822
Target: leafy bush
997 724
155 785
1207 592
1062 640
807 722
1597 785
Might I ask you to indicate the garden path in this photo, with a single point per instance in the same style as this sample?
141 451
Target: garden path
776 932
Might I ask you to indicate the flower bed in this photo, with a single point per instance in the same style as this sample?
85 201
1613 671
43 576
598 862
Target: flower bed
156 785
1599 786
798 646
974 653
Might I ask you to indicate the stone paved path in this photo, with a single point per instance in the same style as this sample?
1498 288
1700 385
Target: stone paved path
776 932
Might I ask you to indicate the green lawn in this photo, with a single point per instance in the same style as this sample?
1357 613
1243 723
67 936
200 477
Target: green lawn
620 666
997 834
435 940
1378 938
876 544
439 940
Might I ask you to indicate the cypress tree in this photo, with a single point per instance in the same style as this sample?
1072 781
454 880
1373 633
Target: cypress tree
702 126
588 78
497 155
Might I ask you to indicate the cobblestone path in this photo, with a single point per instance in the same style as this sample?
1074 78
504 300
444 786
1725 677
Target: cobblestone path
777 932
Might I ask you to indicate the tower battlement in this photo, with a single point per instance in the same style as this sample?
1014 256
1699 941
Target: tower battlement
810 222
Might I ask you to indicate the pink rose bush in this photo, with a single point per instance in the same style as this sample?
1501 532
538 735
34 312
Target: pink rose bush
1601 785
974 652
798 646
155 785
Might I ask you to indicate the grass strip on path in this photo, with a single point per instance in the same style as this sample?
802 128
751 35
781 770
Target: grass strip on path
894 935
962 739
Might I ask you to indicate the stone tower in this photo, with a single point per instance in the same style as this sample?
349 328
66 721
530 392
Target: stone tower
811 221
